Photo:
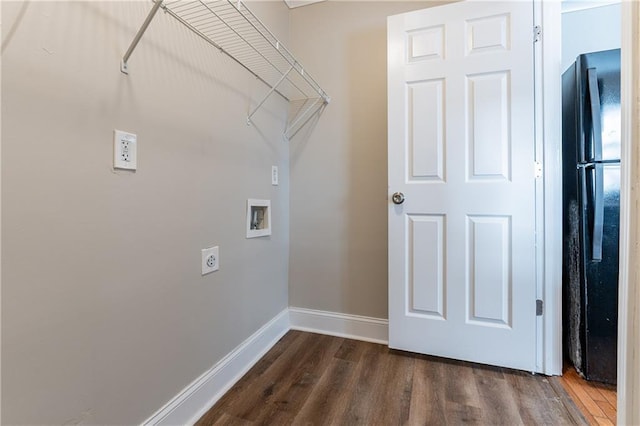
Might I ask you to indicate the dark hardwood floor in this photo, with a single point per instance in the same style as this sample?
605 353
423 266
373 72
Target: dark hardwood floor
309 378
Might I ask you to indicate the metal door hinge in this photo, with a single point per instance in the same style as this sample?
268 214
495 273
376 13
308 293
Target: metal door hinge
539 306
537 33
537 169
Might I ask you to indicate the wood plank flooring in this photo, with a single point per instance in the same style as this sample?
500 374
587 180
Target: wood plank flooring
596 401
314 379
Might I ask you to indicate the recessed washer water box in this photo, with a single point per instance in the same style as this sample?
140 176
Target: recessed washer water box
258 218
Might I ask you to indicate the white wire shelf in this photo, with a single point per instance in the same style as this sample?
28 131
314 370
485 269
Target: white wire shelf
232 28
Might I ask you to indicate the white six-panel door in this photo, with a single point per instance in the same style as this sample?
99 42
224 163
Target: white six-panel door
461 150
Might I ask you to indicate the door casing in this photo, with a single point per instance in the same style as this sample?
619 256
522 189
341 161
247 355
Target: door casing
629 280
547 14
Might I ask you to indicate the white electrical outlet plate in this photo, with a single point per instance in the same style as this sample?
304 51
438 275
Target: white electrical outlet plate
210 260
125 154
274 175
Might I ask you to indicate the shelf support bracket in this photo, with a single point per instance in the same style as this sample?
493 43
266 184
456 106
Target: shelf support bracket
123 65
304 117
273 89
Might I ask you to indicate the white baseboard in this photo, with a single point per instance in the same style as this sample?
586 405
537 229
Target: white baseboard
194 401
357 327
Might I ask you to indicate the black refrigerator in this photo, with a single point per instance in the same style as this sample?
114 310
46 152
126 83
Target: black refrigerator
591 212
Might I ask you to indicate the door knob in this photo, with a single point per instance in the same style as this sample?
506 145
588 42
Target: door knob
398 198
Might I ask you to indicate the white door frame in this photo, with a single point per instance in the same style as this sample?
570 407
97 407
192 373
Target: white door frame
629 293
547 14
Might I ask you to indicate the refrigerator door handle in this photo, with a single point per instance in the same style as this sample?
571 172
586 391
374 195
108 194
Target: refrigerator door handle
598 171
596 120
598 213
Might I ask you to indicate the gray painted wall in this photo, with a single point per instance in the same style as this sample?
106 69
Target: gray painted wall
105 316
338 225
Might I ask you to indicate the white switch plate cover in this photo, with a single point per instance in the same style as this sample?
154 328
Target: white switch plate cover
274 175
210 260
125 147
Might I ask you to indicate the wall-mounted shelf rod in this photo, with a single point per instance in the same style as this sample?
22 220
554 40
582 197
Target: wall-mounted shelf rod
302 118
264 99
136 39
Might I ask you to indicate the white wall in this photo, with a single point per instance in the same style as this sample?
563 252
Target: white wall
105 316
589 30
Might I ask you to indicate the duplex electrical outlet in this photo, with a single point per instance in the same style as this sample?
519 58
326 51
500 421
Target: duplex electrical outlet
210 260
125 154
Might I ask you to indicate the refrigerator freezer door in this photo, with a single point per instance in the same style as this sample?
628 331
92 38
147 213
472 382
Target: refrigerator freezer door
606 66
